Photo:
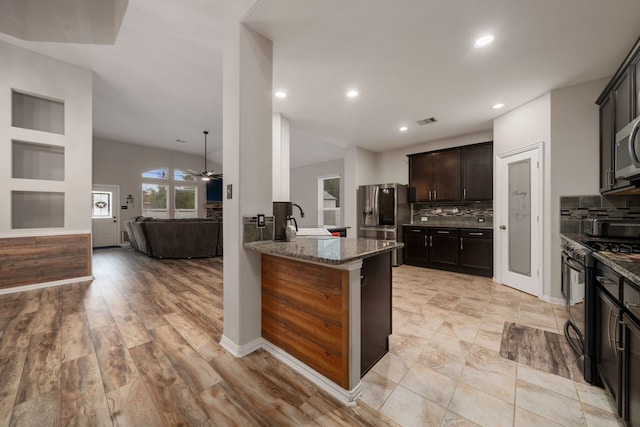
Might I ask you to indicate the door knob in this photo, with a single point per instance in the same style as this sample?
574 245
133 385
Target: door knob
503 227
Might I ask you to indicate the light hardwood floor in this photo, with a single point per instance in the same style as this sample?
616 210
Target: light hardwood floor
138 346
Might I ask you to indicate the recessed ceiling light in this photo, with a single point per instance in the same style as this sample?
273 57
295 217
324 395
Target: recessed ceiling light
403 128
484 41
352 93
280 94
180 141
497 106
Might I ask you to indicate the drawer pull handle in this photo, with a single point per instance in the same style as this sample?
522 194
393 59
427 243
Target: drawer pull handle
476 234
443 232
414 231
605 281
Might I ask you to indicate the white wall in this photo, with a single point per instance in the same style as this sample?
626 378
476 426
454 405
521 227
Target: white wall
119 163
521 127
304 189
359 169
575 156
566 120
393 166
41 75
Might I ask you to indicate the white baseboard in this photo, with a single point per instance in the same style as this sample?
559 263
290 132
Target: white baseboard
348 397
240 351
45 285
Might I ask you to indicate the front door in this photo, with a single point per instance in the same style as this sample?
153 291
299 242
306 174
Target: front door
519 185
105 223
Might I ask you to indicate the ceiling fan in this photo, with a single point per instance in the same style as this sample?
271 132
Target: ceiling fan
206 175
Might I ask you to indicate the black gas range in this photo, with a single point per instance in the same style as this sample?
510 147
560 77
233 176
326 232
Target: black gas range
579 278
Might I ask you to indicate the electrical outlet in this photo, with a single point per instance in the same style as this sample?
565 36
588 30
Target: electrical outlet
424 218
480 219
261 221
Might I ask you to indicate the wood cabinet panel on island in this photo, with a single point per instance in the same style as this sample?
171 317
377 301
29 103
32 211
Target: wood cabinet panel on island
326 307
307 318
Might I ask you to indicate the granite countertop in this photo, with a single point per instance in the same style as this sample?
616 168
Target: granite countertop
324 249
627 265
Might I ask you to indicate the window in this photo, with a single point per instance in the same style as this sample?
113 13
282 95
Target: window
329 200
155 201
186 200
179 175
101 204
162 173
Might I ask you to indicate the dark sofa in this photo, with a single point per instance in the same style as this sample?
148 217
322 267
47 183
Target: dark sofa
176 238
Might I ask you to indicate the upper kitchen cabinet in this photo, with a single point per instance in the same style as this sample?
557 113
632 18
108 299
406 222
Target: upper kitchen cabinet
420 177
477 172
452 175
446 176
619 103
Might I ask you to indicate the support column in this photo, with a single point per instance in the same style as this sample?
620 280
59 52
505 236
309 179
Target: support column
281 163
247 142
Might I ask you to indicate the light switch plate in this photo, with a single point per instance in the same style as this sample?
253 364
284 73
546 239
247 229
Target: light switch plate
229 191
261 221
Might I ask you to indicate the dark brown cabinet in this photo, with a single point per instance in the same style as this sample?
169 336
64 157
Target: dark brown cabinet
476 250
466 250
443 246
420 176
451 175
619 104
608 358
375 315
632 371
446 176
607 178
416 246
477 172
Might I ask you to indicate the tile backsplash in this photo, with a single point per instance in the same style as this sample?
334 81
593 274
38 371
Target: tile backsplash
251 232
442 214
573 209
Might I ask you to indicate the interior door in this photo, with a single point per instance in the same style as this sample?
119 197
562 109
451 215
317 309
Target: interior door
105 223
519 183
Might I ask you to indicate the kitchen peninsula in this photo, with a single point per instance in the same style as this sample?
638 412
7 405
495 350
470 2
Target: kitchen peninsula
326 307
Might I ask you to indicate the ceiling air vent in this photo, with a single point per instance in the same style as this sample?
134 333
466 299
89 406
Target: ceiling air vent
426 121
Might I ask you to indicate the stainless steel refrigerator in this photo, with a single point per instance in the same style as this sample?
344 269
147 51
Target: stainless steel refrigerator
382 209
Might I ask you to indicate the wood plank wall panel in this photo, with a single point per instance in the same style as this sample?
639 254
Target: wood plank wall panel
40 259
305 312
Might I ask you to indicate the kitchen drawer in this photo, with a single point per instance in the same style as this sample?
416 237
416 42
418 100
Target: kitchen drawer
477 232
415 230
609 280
631 300
444 232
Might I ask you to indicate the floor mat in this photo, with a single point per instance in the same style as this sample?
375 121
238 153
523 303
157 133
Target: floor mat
540 349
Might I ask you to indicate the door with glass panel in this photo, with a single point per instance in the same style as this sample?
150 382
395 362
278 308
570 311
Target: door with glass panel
519 186
105 223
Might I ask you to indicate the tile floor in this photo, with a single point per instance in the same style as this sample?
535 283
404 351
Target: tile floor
444 367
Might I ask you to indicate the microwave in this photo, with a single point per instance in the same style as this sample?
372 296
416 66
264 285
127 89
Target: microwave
627 151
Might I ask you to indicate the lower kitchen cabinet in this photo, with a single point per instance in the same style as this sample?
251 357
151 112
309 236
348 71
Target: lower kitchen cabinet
476 249
608 357
443 247
463 250
632 372
375 311
416 246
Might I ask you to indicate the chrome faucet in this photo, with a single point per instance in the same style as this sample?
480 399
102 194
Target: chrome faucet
298 206
291 218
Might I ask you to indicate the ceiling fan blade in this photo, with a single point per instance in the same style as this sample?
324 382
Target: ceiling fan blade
192 172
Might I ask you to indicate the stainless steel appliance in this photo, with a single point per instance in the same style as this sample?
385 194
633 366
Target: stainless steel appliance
627 151
580 279
383 208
